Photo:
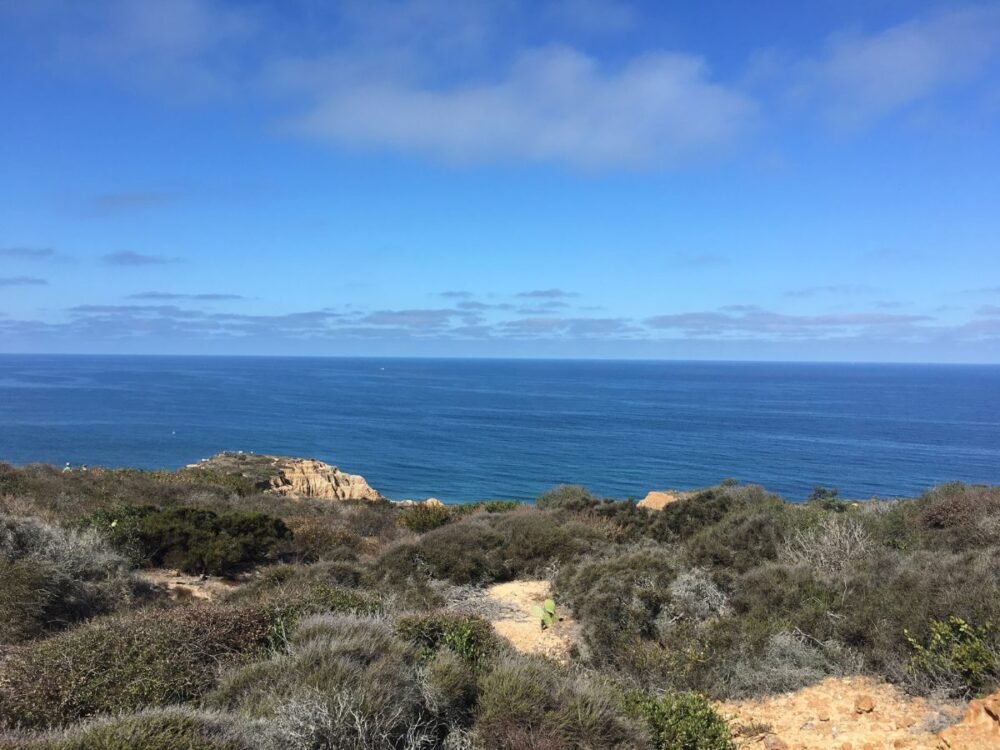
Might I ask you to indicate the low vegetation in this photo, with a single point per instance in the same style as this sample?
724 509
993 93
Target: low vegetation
355 625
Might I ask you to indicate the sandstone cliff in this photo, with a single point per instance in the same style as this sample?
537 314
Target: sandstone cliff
292 477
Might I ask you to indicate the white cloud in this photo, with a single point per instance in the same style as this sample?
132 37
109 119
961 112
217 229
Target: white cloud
861 78
554 104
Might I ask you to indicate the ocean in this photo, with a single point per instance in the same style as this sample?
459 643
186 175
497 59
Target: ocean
462 430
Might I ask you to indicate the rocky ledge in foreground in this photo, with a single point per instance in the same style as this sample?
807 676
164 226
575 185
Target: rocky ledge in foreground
291 477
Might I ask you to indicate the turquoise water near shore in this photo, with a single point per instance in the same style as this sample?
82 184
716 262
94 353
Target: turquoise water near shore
468 429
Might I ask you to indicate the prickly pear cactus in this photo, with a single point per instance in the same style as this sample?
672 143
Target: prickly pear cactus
546 613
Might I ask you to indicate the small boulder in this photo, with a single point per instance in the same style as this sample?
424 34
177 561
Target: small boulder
864 704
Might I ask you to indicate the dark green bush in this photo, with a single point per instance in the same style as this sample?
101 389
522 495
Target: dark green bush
461 552
617 598
194 540
123 663
485 549
684 721
471 638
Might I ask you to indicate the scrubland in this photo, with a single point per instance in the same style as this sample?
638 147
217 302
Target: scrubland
352 627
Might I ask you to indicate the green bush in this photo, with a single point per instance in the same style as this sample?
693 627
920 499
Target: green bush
472 638
162 729
423 517
52 577
566 497
484 549
684 721
193 539
316 538
123 663
958 654
617 599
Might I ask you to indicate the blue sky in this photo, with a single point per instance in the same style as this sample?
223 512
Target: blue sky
574 178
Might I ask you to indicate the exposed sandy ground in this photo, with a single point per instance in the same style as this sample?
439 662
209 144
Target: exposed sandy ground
514 621
852 713
180 585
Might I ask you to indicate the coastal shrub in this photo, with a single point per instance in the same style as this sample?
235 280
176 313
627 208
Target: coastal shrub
123 663
71 495
157 729
529 702
686 517
485 549
317 538
343 682
742 538
51 577
423 517
829 548
450 688
461 552
471 638
566 497
958 655
194 540
682 721
785 662
617 599
960 516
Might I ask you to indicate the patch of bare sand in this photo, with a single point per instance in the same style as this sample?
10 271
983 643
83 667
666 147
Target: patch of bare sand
184 586
842 713
517 624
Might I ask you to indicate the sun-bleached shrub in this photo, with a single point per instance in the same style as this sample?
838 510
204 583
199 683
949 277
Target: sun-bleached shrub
51 577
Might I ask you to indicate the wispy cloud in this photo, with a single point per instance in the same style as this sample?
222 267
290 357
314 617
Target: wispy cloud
547 294
130 258
27 253
863 77
22 281
760 322
110 204
844 290
203 297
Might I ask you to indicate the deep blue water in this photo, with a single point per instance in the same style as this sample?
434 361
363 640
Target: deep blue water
467 429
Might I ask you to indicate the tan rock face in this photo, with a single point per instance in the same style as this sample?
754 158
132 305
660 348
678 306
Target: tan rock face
979 728
658 500
303 477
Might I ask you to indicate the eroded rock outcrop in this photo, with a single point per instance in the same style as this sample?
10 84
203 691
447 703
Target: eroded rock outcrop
979 727
659 499
292 477
305 477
